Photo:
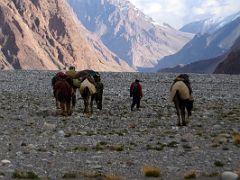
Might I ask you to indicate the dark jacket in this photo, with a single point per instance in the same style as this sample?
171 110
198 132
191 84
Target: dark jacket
138 92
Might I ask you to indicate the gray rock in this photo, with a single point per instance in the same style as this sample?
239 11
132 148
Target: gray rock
229 176
61 133
217 127
5 161
49 126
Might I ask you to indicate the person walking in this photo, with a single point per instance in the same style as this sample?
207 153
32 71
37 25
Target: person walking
136 94
71 73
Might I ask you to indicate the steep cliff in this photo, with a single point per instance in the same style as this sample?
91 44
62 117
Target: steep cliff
231 64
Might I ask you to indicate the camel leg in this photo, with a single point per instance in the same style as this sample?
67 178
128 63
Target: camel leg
178 112
176 101
74 99
183 115
98 99
86 110
91 104
189 106
58 106
63 108
69 110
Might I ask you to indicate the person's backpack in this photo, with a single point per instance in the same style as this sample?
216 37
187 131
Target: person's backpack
134 89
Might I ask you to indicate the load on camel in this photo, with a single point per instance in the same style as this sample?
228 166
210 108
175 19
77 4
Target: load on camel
91 89
181 95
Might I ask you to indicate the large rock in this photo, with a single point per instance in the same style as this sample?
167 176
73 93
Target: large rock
229 176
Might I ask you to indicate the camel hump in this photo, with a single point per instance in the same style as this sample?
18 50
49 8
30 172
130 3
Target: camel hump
183 90
87 83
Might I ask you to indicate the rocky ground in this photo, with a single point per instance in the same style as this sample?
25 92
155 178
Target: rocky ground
116 143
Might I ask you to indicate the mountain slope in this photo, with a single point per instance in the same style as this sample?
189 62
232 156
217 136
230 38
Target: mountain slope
204 46
43 34
209 25
4 64
231 64
128 32
200 67
228 63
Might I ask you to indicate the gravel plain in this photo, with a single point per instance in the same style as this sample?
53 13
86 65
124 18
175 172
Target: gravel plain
116 143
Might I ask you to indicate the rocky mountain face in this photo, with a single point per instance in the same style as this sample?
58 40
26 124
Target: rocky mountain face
4 64
128 32
231 64
43 34
206 46
209 25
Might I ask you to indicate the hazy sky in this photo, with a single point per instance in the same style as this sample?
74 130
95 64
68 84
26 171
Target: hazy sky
179 12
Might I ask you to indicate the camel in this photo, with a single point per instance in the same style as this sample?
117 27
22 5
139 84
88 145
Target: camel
181 95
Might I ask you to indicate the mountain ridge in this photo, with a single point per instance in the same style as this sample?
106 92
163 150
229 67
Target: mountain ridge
228 63
127 32
204 46
209 25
